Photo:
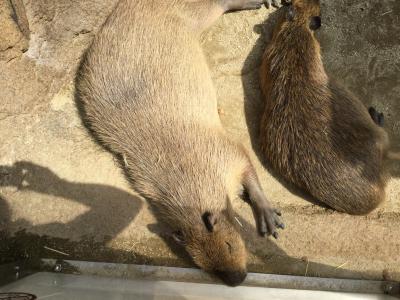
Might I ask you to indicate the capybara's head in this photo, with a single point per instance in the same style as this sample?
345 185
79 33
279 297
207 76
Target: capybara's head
306 13
216 246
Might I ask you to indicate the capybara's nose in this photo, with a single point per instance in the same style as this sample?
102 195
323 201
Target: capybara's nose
232 278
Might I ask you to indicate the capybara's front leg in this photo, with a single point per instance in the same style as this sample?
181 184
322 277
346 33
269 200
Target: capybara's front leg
267 217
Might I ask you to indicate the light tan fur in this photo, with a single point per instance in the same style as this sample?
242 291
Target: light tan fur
146 93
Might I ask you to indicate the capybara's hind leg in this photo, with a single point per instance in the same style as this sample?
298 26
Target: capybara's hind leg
203 13
378 117
232 5
252 4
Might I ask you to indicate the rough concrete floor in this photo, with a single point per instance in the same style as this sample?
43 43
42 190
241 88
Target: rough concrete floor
66 193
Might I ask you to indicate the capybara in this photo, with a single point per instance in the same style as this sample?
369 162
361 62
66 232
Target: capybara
313 132
145 92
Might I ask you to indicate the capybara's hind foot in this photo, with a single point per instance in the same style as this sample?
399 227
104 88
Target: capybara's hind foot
376 116
277 3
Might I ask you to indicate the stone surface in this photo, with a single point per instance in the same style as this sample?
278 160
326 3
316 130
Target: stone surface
13 39
67 193
59 31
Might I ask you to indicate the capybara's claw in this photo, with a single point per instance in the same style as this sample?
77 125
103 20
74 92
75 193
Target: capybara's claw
268 221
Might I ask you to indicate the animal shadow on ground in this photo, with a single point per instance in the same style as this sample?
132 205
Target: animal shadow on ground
116 206
111 210
253 103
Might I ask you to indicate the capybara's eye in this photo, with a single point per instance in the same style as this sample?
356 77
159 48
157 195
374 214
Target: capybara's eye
179 237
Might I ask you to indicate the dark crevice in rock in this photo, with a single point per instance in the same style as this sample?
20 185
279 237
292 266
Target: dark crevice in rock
19 16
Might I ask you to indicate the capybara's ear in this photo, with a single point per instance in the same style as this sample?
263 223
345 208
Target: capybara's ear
210 220
315 22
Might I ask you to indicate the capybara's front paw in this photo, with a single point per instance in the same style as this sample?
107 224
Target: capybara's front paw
268 221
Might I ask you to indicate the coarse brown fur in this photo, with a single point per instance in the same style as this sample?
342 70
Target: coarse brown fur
314 132
146 93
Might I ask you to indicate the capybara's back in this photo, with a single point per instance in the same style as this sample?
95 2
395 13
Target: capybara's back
313 132
144 62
